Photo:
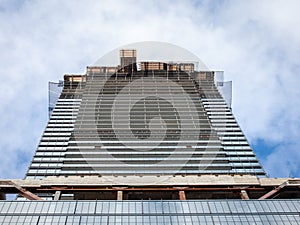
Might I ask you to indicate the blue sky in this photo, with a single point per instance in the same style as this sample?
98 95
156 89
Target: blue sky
256 43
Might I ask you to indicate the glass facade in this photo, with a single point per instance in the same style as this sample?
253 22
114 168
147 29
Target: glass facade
220 212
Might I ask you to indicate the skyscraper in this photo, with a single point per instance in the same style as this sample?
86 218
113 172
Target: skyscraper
159 135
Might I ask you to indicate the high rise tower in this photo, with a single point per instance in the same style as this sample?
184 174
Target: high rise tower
154 133
160 119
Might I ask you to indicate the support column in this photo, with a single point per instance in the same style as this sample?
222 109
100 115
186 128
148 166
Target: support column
119 195
2 196
182 195
57 195
244 195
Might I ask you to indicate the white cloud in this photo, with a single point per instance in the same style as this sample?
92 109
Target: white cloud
284 161
257 43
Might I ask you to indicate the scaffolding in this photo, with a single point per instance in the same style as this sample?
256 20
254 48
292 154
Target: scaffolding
224 87
54 91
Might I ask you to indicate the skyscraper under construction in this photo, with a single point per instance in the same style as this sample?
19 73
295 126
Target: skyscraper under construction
146 142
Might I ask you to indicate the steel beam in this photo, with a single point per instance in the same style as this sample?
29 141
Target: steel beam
75 188
274 191
24 192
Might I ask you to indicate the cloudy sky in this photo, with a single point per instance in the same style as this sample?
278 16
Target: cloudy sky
256 43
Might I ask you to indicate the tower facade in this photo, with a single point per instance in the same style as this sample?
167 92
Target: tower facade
161 119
